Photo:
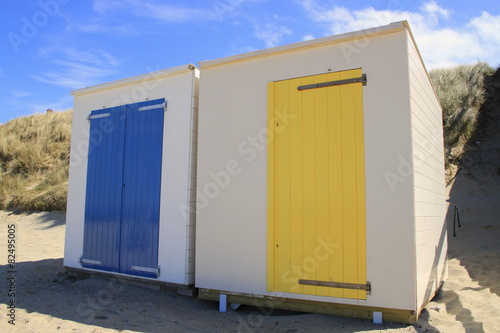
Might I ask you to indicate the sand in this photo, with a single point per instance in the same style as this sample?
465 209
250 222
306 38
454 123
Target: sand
48 301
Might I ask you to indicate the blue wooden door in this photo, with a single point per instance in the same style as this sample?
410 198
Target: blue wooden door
104 189
141 189
123 189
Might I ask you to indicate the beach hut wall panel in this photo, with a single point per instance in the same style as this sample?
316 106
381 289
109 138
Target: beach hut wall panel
427 160
133 177
319 190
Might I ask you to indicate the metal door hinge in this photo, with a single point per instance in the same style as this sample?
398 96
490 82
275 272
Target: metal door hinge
90 262
147 269
151 107
97 116
362 79
331 284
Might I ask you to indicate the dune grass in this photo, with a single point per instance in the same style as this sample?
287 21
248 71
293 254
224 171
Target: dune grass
461 91
34 162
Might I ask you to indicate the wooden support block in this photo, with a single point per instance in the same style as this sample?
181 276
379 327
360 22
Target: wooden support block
335 309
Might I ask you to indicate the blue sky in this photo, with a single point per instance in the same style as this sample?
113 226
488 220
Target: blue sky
50 47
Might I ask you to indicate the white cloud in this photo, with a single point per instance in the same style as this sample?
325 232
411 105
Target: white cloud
487 26
170 13
19 93
108 28
308 37
75 68
271 34
242 49
432 9
18 105
102 26
61 104
151 9
97 24
441 44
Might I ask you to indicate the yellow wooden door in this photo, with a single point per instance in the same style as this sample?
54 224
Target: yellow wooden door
316 186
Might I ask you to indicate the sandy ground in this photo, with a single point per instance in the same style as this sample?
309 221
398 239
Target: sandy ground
47 301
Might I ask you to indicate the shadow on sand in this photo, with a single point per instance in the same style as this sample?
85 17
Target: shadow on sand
43 287
476 191
47 220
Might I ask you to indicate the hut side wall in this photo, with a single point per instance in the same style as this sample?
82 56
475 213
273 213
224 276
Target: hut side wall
189 212
430 197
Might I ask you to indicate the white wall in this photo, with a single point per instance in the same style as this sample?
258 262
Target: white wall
177 87
232 215
430 197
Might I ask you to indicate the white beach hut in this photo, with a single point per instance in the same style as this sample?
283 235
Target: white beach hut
132 178
321 178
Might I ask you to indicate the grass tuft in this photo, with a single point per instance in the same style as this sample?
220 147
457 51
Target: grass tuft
34 162
461 91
